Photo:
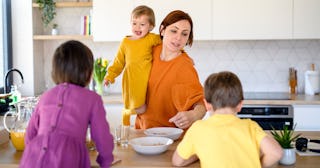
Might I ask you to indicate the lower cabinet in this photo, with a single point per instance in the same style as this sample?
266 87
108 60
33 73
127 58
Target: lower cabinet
114 116
307 117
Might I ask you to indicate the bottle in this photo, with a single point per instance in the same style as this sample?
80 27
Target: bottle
15 94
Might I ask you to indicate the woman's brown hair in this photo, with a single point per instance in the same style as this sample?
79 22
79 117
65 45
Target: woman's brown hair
72 63
174 17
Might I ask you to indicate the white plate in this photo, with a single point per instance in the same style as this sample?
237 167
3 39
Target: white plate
150 145
169 132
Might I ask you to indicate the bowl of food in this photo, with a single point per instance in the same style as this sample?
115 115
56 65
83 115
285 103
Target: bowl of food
169 132
150 145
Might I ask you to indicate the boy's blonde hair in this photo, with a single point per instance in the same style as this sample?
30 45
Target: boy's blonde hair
223 89
144 10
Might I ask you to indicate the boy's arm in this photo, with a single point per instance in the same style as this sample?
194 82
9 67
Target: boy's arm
179 161
271 151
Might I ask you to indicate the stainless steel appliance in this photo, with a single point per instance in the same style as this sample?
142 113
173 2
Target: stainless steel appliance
269 115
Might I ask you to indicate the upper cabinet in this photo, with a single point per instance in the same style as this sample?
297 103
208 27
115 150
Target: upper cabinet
252 19
216 19
306 21
111 18
199 11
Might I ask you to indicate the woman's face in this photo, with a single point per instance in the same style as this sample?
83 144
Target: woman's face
176 35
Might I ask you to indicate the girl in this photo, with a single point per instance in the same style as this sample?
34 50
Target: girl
56 134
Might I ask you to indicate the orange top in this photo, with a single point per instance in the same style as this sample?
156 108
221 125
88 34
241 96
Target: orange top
173 86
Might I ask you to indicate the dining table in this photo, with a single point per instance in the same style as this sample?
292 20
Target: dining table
125 156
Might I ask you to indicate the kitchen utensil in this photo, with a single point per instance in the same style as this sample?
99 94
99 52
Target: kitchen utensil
169 132
150 145
312 82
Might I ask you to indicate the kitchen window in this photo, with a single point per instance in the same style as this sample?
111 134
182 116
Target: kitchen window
5 40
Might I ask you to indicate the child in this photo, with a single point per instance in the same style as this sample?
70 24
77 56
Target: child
224 140
134 57
56 134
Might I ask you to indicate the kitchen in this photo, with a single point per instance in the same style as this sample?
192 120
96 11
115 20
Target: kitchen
262 62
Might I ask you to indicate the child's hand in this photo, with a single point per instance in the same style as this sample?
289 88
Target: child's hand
106 82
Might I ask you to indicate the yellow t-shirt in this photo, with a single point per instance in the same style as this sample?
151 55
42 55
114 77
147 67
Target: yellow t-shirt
223 141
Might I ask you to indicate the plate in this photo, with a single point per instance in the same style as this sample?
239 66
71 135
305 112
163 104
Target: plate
169 132
150 145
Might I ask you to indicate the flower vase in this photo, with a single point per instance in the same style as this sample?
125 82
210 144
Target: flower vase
99 88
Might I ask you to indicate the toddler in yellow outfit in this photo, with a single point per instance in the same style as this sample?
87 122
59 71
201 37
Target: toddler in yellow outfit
225 140
134 58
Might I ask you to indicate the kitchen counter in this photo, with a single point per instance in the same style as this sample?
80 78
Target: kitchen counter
9 158
293 99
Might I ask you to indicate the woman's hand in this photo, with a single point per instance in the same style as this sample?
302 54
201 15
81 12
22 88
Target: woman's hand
184 119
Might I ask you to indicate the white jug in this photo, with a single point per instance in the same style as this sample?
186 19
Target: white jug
312 82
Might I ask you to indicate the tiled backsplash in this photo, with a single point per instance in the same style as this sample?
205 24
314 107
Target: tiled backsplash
262 66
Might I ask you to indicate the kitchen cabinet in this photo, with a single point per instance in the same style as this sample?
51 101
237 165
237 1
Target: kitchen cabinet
252 19
111 19
107 27
307 117
306 19
199 12
114 115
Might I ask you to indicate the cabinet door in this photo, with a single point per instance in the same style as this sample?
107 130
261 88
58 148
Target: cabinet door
306 19
199 11
111 19
252 19
307 117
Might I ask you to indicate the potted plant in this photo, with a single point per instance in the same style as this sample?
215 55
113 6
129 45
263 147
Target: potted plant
48 10
55 30
285 137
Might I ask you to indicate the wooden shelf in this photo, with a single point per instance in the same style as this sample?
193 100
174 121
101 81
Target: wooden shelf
62 37
68 4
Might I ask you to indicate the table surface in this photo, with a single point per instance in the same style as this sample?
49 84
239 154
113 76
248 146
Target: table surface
10 158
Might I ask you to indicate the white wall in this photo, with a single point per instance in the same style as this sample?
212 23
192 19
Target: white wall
23 44
262 65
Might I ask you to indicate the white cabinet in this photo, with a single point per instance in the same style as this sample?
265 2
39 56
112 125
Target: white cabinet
199 11
306 19
114 115
111 19
252 19
307 117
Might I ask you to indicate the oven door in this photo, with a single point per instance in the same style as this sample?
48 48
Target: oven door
277 123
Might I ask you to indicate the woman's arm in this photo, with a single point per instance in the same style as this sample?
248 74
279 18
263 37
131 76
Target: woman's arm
185 119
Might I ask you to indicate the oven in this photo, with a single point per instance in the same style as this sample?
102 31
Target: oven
268 116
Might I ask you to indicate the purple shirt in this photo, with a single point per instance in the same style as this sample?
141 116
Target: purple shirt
56 133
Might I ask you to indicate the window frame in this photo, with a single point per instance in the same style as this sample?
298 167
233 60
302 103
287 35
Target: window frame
7 40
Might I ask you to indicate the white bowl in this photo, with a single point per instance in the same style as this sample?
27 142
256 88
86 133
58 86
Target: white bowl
150 145
169 132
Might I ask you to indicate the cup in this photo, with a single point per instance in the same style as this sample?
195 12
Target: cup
117 134
121 135
124 139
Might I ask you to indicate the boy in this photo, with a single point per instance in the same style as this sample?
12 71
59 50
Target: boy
224 140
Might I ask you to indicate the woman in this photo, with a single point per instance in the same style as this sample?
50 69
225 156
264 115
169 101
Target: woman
175 95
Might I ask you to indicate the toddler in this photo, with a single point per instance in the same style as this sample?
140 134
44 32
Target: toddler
134 58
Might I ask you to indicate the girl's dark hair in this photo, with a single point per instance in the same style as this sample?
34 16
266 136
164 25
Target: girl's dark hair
72 63
223 89
174 17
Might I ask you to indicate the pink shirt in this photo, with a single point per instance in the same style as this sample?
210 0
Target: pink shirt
56 133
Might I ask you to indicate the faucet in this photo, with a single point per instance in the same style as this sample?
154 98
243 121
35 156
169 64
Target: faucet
6 79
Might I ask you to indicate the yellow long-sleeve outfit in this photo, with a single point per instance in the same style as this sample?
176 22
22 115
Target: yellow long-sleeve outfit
134 58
